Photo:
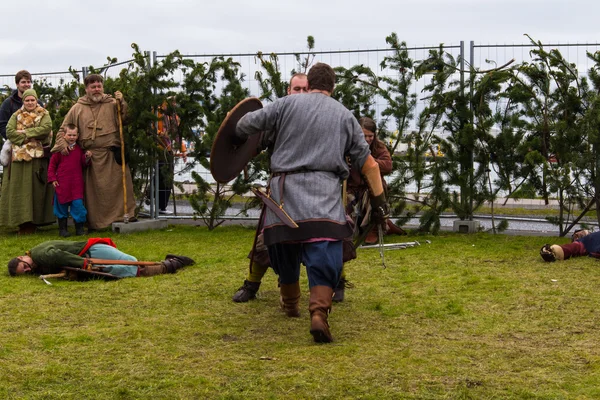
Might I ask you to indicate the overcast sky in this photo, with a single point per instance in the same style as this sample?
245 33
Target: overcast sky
46 36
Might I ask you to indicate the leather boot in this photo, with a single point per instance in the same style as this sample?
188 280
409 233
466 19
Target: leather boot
152 270
246 292
172 265
393 229
319 307
338 293
79 229
289 298
372 237
62 227
183 259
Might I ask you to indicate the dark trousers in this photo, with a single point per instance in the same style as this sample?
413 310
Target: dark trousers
323 261
165 181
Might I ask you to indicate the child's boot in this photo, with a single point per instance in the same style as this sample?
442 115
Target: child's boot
62 227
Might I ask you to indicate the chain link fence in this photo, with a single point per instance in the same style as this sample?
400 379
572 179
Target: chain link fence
478 56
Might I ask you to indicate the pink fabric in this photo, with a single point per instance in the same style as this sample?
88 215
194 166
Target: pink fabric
312 240
68 171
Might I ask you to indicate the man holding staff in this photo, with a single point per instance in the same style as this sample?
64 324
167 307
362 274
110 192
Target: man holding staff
97 120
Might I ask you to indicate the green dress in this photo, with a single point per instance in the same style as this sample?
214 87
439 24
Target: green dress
26 196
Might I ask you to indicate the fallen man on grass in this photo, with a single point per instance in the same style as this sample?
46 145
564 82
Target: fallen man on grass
584 243
96 257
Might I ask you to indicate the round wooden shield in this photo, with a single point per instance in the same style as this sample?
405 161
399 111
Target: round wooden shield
227 160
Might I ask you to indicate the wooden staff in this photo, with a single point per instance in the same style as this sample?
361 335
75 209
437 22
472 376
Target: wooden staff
99 261
125 214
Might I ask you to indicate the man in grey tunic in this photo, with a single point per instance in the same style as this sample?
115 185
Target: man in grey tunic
313 134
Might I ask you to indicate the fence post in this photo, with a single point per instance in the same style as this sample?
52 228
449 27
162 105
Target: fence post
152 63
471 159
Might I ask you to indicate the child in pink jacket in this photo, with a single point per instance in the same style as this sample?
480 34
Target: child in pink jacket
66 175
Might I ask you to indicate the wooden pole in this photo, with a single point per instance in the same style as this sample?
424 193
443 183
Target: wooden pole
99 261
125 214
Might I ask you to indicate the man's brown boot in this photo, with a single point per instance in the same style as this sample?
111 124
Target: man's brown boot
319 307
289 299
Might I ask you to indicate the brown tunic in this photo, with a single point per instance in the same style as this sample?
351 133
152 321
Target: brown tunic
99 131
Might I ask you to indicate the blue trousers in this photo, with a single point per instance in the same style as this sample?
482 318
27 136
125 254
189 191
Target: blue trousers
106 252
78 211
323 261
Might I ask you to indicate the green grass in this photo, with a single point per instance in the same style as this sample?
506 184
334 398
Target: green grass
465 317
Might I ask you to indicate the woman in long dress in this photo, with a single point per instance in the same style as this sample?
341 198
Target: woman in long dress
26 199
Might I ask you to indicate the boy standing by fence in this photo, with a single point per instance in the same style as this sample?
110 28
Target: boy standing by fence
65 172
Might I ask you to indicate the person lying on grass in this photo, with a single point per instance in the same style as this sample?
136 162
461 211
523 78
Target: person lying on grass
584 243
53 256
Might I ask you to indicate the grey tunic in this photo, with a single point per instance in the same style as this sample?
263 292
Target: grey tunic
313 134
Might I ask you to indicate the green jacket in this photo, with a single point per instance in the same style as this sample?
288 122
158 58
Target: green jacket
50 256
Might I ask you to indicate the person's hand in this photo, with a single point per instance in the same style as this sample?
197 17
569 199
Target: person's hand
88 154
65 151
579 234
55 183
380 209
238 141
87 264
119 95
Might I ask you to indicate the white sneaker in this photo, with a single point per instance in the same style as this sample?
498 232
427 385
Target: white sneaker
165 212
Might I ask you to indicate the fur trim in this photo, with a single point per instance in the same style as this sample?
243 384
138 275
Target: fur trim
6 153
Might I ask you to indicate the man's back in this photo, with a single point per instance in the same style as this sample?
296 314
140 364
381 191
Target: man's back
314 132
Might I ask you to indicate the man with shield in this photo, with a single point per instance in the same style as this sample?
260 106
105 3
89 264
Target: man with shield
305 220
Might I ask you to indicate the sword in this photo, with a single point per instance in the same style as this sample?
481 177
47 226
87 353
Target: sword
380 234
49 276
395 246
276 208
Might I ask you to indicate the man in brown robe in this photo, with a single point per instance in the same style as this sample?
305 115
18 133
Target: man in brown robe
96 118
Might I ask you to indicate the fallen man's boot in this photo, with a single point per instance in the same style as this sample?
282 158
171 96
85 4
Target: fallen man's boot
247 292
152 270
183 259
289 298
172 263
319 307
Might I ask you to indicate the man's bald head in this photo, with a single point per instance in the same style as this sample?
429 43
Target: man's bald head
298 84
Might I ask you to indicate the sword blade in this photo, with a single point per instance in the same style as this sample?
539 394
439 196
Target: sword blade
380 233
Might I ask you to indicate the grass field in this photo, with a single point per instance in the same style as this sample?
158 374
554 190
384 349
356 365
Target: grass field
464 317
